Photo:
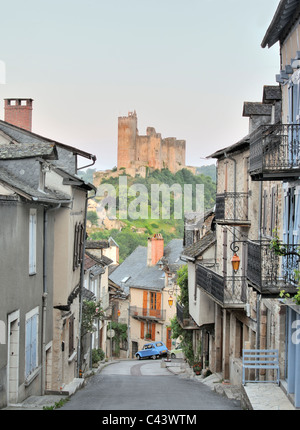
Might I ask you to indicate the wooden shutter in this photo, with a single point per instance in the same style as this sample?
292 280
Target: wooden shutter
145 301
158 304
142 330
71 335
153 332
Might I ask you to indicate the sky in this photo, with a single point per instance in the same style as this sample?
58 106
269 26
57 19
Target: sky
185 66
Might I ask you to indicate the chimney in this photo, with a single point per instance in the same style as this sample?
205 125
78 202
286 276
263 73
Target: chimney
18 112
155 249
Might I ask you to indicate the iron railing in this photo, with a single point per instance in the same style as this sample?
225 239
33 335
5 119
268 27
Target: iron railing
184 317
232 208
146 313
275 152
229 291
270 273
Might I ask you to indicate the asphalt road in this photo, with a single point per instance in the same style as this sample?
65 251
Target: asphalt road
145 386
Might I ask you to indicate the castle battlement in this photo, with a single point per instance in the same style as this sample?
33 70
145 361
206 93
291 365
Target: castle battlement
136 153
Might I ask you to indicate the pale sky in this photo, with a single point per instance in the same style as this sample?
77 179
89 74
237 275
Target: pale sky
185 66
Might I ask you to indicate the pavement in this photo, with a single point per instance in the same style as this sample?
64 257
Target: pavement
253 396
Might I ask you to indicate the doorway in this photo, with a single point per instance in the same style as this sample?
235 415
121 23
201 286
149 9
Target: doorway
13 341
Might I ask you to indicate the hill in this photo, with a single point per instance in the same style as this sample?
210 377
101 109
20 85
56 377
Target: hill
134 229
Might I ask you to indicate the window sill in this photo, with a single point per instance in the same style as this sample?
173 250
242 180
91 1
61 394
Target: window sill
72 357
32 376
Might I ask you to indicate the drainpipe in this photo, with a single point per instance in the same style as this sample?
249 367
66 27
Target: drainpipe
81 288
45 293
234 203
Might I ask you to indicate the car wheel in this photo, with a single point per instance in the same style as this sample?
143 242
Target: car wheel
139 357
173 355
154 357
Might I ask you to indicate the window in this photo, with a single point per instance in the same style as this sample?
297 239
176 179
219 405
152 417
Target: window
32 241
78 244
71 335
31 342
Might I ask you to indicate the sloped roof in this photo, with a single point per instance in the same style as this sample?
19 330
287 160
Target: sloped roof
135 273
24 136
281 20
193 251
29 192
14 151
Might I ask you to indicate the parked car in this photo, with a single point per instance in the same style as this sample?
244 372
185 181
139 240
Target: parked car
176 352
153 350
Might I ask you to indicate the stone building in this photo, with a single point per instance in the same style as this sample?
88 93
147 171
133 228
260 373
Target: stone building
137 153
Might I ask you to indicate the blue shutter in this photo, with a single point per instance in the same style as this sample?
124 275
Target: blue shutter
296 227
28 347
31 344
285 214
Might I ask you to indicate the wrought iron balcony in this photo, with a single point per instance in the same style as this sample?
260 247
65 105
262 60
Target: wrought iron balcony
228 291
147 314
270 273
184 319
232 208
275 152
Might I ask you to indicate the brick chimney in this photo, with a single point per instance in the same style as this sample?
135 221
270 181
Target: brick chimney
155 249
18 112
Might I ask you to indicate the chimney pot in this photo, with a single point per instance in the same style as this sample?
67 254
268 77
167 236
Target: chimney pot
18 112
155 249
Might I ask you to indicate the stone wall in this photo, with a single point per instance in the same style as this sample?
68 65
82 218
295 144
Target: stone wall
136 152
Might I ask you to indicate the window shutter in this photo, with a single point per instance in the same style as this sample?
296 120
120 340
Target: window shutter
28 347
153 332
32 241
285 214
142 330
296 231
158 304
145 301
71 335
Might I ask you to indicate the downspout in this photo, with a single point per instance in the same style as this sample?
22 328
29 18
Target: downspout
234 203
81 288
45 294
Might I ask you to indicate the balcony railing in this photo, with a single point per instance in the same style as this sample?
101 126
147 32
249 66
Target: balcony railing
270 273
229 291
185 320
147 314
232 208
275 152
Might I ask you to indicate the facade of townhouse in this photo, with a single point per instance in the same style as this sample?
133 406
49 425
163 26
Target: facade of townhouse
229 311
96 289
44 203
280 160
148 275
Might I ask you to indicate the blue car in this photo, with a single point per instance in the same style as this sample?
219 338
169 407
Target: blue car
153 350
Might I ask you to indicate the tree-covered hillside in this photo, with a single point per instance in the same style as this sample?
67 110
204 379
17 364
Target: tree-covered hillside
134 231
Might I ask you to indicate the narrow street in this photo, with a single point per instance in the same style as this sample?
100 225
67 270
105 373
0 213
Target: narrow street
145 385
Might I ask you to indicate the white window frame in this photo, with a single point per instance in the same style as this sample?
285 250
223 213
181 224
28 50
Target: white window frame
32 241
31 342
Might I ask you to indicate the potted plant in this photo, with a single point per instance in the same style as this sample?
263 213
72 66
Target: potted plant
197 367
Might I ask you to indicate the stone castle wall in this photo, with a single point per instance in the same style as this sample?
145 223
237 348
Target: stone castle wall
136 153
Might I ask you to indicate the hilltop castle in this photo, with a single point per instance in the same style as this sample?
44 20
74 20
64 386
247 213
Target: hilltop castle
136 153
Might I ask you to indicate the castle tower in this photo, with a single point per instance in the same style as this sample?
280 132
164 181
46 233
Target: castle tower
127 133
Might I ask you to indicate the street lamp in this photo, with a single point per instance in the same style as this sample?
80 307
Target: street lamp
235 261
170 301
